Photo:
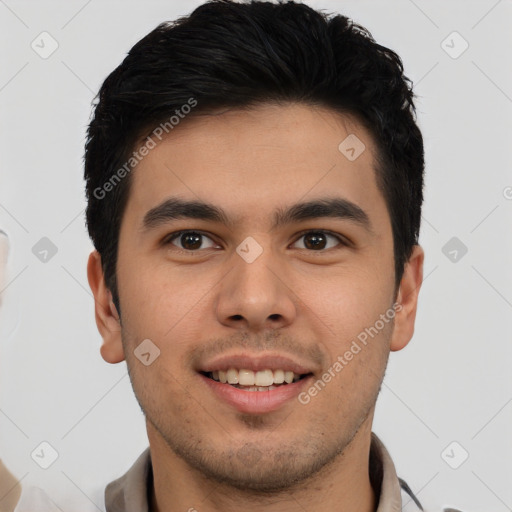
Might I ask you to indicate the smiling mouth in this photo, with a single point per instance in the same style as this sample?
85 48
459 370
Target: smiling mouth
248 380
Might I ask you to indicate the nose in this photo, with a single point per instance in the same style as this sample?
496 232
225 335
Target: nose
254 296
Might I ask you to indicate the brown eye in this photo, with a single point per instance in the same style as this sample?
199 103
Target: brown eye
319 240
189 240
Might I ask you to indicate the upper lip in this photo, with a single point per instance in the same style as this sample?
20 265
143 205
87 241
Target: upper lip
256 362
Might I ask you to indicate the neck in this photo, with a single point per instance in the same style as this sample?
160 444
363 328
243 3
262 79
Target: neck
344 484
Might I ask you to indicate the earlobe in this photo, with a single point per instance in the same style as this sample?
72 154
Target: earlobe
112 352
407 300
107 318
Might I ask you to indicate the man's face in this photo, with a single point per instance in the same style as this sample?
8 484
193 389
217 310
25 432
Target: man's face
254 296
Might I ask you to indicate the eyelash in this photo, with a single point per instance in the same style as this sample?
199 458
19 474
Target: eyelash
173 236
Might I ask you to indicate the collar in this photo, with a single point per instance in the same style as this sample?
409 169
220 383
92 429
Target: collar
129 493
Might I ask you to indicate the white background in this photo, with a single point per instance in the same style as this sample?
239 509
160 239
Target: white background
452 383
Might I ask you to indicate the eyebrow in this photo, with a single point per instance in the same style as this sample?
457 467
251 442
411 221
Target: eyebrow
174 208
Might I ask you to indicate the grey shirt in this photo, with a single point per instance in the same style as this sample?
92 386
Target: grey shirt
129 493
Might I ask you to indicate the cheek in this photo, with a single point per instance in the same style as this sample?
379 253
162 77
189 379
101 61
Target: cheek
350 300
358 338
160 391
165 304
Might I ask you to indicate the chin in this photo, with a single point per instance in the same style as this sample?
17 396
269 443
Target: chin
252 468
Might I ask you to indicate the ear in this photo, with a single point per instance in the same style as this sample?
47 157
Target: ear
407 300
107 318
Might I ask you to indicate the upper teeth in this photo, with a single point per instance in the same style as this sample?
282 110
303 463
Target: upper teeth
249 378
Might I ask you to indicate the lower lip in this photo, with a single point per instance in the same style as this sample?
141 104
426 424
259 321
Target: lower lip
256 402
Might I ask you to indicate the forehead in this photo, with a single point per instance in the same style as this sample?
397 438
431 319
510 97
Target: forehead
253 161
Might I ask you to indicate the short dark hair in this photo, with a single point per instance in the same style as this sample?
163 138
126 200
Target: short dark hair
237 55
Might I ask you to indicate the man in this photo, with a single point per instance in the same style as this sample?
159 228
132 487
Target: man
254 177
